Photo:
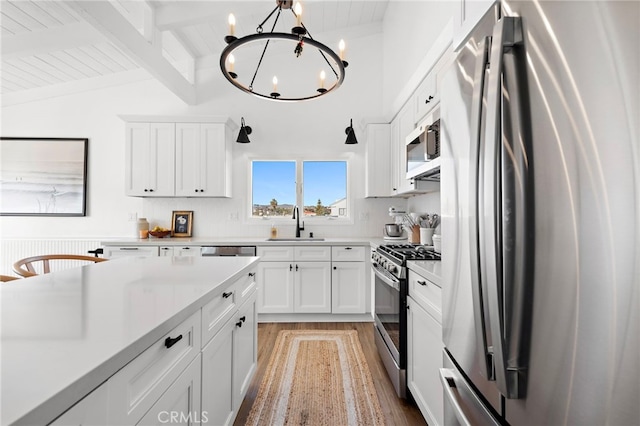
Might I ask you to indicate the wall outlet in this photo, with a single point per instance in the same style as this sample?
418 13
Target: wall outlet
363 216
234 216
133 217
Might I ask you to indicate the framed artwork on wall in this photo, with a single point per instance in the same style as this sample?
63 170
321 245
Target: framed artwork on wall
43 176
182 223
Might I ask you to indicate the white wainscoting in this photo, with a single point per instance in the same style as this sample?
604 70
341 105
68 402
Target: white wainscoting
15 249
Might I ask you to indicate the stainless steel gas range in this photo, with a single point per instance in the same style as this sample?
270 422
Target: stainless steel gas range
389 266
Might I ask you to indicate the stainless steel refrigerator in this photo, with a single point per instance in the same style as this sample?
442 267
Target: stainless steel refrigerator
540 187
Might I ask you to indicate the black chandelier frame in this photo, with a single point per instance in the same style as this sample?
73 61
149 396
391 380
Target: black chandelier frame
299 35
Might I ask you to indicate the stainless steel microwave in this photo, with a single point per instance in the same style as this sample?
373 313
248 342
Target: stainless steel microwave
423 147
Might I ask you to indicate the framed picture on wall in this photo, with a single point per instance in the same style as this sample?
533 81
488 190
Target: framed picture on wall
182 223
43 176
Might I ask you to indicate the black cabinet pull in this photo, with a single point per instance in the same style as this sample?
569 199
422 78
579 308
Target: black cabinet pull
422 282
252 274
146 190
335 267
202 190
348 248
186 248
225 295
164 248
296 267
168 342
151 190
291 268
239 323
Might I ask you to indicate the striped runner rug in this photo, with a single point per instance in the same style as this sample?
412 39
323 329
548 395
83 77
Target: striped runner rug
317 378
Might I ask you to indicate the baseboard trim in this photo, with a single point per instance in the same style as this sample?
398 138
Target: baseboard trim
367 317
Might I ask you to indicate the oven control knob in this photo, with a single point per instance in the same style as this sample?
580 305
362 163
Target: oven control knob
393 268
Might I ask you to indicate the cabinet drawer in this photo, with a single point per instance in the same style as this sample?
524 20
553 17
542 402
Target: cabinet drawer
347 254
245 286
312 253
427 294
137 386
218 311
275 253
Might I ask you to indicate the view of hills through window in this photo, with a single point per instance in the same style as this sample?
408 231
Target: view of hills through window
323 191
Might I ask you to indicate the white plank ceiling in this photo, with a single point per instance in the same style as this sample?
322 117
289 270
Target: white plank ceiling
49 44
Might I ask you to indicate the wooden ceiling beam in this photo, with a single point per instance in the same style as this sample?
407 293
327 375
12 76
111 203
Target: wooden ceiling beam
115 27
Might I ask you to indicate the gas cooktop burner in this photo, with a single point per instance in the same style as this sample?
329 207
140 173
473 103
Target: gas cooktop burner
404 252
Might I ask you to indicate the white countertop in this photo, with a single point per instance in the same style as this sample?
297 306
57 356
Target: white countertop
235 241
430 269
65 333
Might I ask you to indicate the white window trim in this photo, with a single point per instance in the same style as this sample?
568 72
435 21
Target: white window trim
322 220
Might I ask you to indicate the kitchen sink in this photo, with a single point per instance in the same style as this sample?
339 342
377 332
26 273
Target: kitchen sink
295 239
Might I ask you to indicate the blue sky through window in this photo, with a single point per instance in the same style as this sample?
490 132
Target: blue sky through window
324 180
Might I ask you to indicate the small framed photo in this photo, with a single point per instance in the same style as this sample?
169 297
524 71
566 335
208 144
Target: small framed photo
182 223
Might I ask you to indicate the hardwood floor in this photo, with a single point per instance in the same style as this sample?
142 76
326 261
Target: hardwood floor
396 410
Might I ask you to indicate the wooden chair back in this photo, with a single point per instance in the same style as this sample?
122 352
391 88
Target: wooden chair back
5 278
25 267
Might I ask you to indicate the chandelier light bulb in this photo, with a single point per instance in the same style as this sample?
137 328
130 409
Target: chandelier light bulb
323 75
232 60
275 83
298 10
341 47
232 24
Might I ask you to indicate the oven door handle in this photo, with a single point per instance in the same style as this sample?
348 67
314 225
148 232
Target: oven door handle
385 279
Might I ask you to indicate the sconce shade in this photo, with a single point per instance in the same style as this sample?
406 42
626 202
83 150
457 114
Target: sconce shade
351 135
243 134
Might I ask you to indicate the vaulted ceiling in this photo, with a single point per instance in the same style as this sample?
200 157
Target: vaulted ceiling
53 45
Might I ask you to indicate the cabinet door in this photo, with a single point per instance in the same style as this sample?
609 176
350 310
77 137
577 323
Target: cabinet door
180 404
467 17
112 252
378 167
395 157
215 161
348 288
217 358
405 125
91 410
186 251
312 288
245 350
426 96
150 159
275 287
188 161
424 359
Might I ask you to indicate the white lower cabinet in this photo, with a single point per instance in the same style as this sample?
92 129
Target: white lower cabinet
112 252
298 282
348 288
424 349
91 410
180 404
217 394
180 251
230 359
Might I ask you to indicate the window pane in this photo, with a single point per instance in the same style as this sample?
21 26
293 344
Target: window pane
273 188
325 188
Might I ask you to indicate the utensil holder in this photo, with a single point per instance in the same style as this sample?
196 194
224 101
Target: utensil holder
426 236
414 236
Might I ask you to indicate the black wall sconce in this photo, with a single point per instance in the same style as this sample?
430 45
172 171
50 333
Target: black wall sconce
351 135
243 134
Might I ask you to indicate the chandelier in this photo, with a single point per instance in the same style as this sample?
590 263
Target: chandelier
299 66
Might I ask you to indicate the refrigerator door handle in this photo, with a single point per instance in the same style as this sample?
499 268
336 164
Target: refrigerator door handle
505 212
475 201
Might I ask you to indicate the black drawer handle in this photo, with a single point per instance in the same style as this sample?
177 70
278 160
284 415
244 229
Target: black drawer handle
239 323
252 274
290 268
225 295
348 248
168 342
422 282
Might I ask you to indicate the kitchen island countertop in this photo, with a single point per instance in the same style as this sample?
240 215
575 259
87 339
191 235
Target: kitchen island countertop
65 333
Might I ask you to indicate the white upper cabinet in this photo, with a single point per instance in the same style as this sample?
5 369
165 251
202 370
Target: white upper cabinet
378 164
187 157
150 155
203 152
467 16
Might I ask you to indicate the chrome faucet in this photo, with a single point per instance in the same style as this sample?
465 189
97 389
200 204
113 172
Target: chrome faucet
297 218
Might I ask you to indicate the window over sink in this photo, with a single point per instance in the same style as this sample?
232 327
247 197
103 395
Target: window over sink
321 186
